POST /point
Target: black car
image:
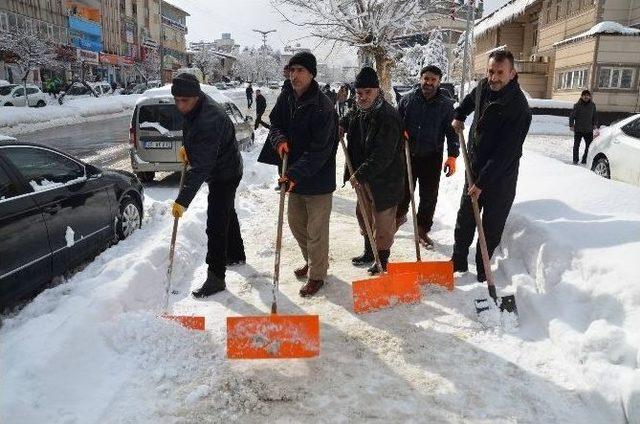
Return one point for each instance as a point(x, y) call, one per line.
point(55, 213)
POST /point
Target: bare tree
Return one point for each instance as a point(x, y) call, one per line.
point(373, 26)
point(149, 68)
point(261, 63)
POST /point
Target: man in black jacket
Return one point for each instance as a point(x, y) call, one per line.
point(500, 124)
point(583, 121)
point(304, 125)
point(211, 149)
point(261, 106)
point(427, 113)
point(374, 135)
point(249, 93)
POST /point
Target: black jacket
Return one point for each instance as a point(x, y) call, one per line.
point(500, 125)
point(261, 104)
point(249, 91)
point(375, 147)
point(210, 140)
point(310, 125)
point(584, 116)
point(428, 122)
point(268, 155)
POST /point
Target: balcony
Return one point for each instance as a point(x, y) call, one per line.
point(526, 67)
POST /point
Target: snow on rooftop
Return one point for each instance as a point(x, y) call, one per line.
point(605, 27)
point(506, 13)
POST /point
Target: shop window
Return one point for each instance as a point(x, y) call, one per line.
point(4, 21)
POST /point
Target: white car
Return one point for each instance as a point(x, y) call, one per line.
point(78, 89)
point(615, 152)
point(13, 95)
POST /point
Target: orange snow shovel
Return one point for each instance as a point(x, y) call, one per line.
point(191, 322)
point(434, 272)
point(385, 290)
point(274, 336)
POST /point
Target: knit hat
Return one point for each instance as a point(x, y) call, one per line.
point(367, 78)
point(306, 60)
point(185, 85)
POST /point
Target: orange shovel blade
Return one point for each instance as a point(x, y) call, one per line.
point(190, 322)
point(273, 336)
point(430, 272)
point(385, 291)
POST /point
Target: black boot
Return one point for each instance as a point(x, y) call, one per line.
point(366, 257)
point(459, 264)
point(384, 260)
point(213, 285)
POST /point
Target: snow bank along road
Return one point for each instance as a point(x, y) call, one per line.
point(92, 350)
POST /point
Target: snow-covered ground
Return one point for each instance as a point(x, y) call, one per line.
point(93, 350)
point(17, 120)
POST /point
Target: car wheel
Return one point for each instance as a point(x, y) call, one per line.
point(146, 177)
point(129, 219)
point(601, 167)
point(41, 103)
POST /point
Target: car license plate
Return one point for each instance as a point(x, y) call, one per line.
point(158, 145)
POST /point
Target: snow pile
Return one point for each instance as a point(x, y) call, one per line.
point(605, 27)
point(69, 237)
point(550, 103)
point(155, 126)
point(48, 185)
point(506, 13)
point(15, 120)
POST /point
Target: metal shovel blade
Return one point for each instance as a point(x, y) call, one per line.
point(428, 272)
point(273, 336)
point(385, 291)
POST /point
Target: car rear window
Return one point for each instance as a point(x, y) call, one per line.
point(166, 115)
point(6, 90)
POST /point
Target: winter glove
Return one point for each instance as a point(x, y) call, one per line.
point(177, 210)
point(182, 155)
point(283, 147)
point(289, 183)
point(450, 166)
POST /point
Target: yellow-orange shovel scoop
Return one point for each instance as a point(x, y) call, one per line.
point(384, 290)
point(433, 272)
point(274, 336)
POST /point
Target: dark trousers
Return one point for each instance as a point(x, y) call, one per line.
point(249, 102)
point(223, 228)
point(577, 137)
point(426, 170)
point(495, 204)
point(259, 121)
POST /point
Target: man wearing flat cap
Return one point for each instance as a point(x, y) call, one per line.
point(374, 136)
point(211, 150)
point(304, 126)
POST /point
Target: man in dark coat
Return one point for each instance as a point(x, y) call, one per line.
point(249, 92)
point(261, 106)
point(583, 121)
point(427, 113)
point(374, 135)
point(304, 126)
point(500, 124)
point(211, 149)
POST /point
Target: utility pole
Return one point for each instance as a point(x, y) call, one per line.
point(264, 35)
point(160, 46)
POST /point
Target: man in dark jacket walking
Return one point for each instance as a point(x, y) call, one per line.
point(304, 126)
point(374, 135)
point(500, 125)
point(211, 149)
point(427, 114)
point(261, 106)
point(249, 92)
point(583, 121)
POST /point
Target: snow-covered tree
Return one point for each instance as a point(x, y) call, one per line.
point(409, 62)
point(457, 63)
point(261, 63)
point(374, 27)
point(149, 67)
point(210, 63)
point(435, 52)
point(28, 51)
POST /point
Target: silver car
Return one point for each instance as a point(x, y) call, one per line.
point(155, 134)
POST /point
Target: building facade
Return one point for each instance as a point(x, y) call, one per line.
point(173, 45)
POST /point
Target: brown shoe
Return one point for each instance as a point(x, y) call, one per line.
point(311, 287)
point(302, 271)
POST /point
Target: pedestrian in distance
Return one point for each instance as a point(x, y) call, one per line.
point(500, 124)
point(261, 106)
point(583, 122)
point(426, 114)
point(375, 146)
point(249, 93)
point(211, 151)
point(304, 126)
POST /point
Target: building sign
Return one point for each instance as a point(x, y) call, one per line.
point(111, 59)
point(173, 24)
point(126, 61)
point(87, 56)
point(150, 43)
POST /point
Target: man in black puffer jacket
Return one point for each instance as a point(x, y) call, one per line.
point(211, 149)
point(374, 134)
point(500, 124)
point(304, 125)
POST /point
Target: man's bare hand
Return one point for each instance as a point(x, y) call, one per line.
point(474, 192)
point(457, 125)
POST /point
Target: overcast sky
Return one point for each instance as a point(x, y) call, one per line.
point(210, 18)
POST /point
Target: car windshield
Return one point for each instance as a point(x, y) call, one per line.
point(6, 90)
point(166, 115)
point(77, 90)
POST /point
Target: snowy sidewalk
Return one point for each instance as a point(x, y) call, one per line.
point(92, 349)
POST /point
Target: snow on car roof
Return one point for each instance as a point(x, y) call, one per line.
point(165, 91)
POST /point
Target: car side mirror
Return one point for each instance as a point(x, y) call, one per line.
point(92, 171)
